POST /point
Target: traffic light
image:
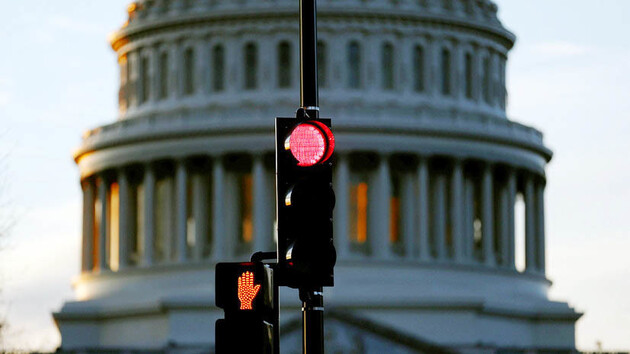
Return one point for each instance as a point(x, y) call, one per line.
point(305, 200)
point(246, 293)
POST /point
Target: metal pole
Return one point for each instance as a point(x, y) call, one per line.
point(309, 93)
point(312, 321)
point(312, 299)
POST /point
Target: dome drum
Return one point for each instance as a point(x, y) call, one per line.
point(381, 62)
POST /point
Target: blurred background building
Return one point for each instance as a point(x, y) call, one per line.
point(429, 174)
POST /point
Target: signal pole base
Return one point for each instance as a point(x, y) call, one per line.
point(312, 320)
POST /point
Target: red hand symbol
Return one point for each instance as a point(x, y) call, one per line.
point(247, 291)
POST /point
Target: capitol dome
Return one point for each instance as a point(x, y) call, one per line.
point(428, 169)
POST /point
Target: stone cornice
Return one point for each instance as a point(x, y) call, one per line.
point(498, 132)
point(331, 15)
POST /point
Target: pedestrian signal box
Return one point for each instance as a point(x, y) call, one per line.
point(246, 293)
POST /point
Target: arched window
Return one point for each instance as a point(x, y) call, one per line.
point(387, 70)
point(218, 68)
point(144, 80)
point(418, 69)
point(446, 72)
point(189, 72)
point(163, 72)
point(354, 65)
point(284, 65)
point(468, 75)
point(487, 82)
point(321, 64)
point(251, 66)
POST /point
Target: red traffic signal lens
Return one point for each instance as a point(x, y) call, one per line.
point(311, 143)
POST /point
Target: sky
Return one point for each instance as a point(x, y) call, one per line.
point(568, 76)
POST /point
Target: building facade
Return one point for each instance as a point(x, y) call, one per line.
point(428, 173)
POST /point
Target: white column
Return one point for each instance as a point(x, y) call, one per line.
point(423, 209)
point(494, 78)
point(202, 67)
point(502, 88)
point(469, 217)
point(540, 223)
point(181, 181)
point(478, 92)
point(88, 225)
point(267, 64)
point(149, 216)
point(336, 63)
point(262, 205)
point(487, 217)
point(408, 214)
point(503, 222)
point(458, 65)
point(434, 52)
point(200, 212)
point(340, 221)
point(123, 220)
point(170, 244)
point(132, 84)
point(405, 75)
point(218, 214)
point(103, 229)
point(457, 204)
point(530, 225)
point(233, 71)
point(511, 193)
point(439, 217)
point(152, 54)
point(155, 73)
point(379, 210)
point(177, 81)
point(370, 68)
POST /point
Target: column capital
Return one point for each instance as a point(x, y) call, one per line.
point(256, 154)
point(104, 175)
point(490, 165)
point(458, 161)
point(88, 181)
point(385, 154)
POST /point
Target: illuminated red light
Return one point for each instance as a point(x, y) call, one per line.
point(247, 291)
point(311, 143)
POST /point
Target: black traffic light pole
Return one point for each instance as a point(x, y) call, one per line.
point(309, 94)
point(312, 299)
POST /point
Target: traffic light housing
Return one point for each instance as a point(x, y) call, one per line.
point(247, 295)
point(305, 201)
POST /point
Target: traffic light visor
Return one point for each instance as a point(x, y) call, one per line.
point(311, 143)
